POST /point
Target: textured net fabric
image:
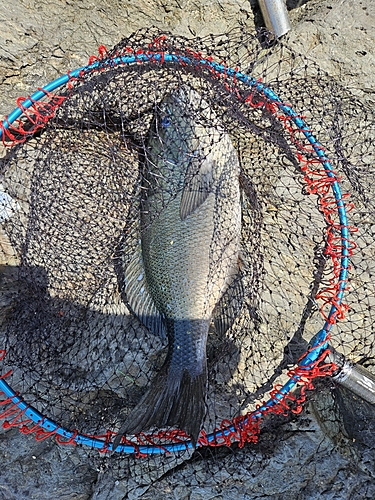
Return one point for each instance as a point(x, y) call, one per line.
point(77, 352)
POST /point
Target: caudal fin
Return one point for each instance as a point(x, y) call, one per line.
point(173, 400)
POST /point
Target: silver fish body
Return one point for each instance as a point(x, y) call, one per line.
point(189, 255)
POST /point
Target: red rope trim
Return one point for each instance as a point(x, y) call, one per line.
point(137, 452)
point(15, 411)
point(65, 441)
point(33, 118)
point(102, 54)
point(176, 436)
point(108, 438)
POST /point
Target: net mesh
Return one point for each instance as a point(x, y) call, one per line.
point(74, 183)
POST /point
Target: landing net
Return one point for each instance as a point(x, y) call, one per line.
point(76, 359)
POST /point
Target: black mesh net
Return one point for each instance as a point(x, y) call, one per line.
point(172, 227)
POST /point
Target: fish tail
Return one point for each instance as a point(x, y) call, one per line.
point(175, 399)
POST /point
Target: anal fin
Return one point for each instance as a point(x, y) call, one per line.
point(229, 306)
point(139, 298)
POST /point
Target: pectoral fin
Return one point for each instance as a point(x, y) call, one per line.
point(197, 186)
point(138, 296)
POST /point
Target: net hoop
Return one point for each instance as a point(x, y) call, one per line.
point(319, 342)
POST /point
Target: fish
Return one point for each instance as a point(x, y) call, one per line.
point(186, 271)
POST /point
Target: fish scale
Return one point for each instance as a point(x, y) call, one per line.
point(172, 249)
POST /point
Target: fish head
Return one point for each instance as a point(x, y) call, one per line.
point(176, 116)
point(173, 138)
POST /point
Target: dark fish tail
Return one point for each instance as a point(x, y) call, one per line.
point(176, 397)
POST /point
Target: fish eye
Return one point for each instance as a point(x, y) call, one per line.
point(166, 121)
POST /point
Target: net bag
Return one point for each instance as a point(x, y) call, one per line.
point(94, 162)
